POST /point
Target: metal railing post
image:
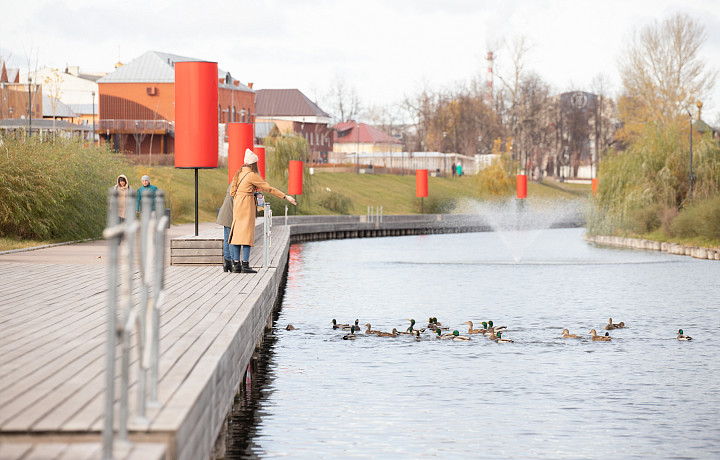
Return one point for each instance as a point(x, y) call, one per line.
point(108, 428)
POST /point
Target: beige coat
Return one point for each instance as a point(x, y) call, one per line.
point(242, 187)
point(123, 193)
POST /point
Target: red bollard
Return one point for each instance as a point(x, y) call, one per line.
point(196, 112)
point(240, 137)
point(594, 186)
point(421, 183)
point(295, 179)
point(521, 186)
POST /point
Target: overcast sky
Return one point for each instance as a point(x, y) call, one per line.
point(385, 50)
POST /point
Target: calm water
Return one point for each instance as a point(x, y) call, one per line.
point(643, 395)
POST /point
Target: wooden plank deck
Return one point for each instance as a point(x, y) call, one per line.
point(52, 355)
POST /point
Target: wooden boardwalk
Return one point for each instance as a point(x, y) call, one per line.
point(52, 355)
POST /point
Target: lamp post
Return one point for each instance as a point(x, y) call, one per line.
point(29, 106)
point(93, 115)
point(691, 177)
point(444, 157)
point(357, 157)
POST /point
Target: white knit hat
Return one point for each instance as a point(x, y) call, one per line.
point(250, 157)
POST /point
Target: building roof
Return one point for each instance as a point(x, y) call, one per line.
point(158, 67)
point(347, 133)
point(61, 110)
point(285, 103)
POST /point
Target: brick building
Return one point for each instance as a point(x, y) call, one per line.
point(137, 104)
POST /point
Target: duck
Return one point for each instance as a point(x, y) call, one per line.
point(682, 336)
point(496, 328)
point(599, 338)
point(370, 331)
point(491, 335)
point(335, 325)
point(568, 335)
point(433, 325)
point(471, 330)
point(351, 335)
point(448, 335)
point(501, 340)
point(394, 333)
point(610, 326)
point(459, 338)
point(289, 327)
point(411, 329)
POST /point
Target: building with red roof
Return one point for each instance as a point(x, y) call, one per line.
point(351, 137)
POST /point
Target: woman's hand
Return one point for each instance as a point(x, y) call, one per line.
point(291, 199)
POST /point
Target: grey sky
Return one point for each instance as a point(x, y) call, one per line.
point(384, 49)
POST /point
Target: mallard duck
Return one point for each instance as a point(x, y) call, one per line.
point(289, 327)
point(496, 328)
point(335, 325)
point(568, 335)
point(459, 338)
point(433, 325)
point(610, 326)
point(682, 336)
point(351, 335)
point(394, 333)
point(471, 330)
point(491, 335)
point(599, 338)
point(370, 331)
point(501, 340)
point(448, 335)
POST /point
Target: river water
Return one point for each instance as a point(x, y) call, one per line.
point(642, 395)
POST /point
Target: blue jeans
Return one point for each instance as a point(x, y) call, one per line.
point(230, 251)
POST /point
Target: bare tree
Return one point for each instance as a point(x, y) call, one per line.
point(662, 70)
point(343, 100)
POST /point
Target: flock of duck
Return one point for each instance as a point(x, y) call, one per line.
point(488, 330)
point(436, 328)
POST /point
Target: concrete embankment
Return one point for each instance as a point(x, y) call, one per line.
point(697, 252)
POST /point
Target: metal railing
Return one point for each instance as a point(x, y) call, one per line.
point(267, 233)
point(140, 126)
point(143, 319)
point(375, 214)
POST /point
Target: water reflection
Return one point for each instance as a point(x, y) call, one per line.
point(643, 395)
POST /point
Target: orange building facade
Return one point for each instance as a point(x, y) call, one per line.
point(137, 104)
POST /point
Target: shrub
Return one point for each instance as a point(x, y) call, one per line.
point(54, 190)
point(702, 219)
point(335, 201)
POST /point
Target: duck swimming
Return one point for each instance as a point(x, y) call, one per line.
point(496, 328)
point(568, 335)
point(610, 326)
point(445, 336)
point(289, 327)
point(599, 338)
point(501, 340)
point(335, 325)
point(370, 331)
point(459, 338)
point(682, 336)
point(471, 330)
point(394, 333)
point(351, 335)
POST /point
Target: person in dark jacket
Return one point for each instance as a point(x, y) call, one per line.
point(225, 217)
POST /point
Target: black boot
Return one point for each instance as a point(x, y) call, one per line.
point(246, 267)
point(227, 265)
point(237, 266)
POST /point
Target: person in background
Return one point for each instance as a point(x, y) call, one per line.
point(146, 186)
point(452, 168)
point(225, 218)
point(124, 191)
point(459, 170)
point(243, 187)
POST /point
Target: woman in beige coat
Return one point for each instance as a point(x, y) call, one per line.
point(124, 190)
point(243, 187)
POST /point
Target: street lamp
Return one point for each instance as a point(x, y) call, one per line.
point(29, 106)
point(357, 157)
point(444, 157)
point(691, 177)
point(93, 115)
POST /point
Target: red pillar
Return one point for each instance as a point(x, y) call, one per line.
point(594, 186)
point(260, 152)
point(295, 179)
point(196, 112)
point(240, 137)
point(521, 186)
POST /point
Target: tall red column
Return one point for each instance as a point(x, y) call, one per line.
point(521, 186)
point(240, 137)
point(196, 112)
point(421, 183)
point(260, 152)
point(295, 179)
point(594, 186)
